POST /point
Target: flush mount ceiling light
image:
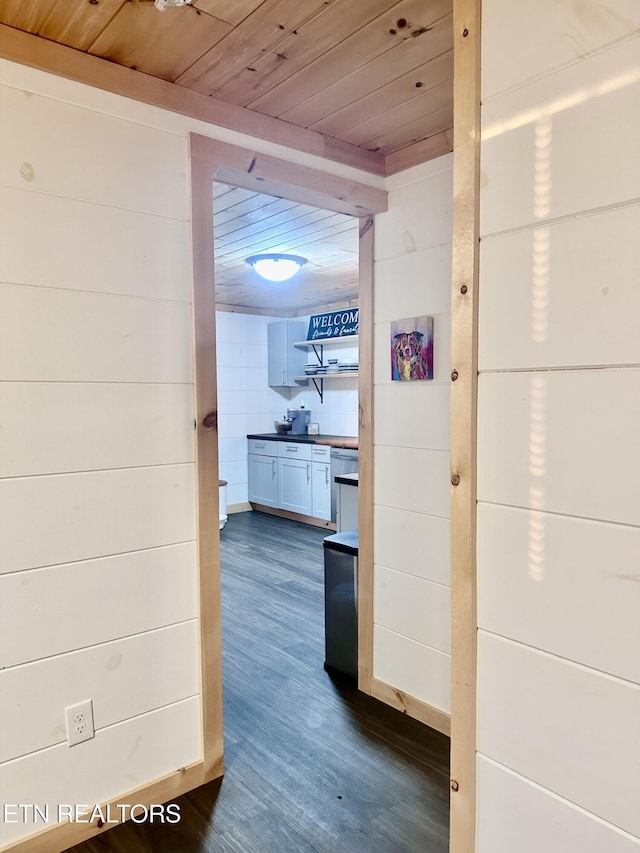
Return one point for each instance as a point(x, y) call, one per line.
point(162, 4)
point(276, 267)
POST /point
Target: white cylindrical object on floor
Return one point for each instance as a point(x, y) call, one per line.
point(223, 502)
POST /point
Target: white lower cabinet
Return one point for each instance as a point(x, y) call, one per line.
point(321, 480)
point(295, 476)
point(263, 479)
point(294, 485)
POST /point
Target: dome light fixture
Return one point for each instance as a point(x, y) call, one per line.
point(162, 4)
point(275, 267)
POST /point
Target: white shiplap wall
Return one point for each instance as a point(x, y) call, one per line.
point(98, 583)
point(559, 404)
point(412, 582)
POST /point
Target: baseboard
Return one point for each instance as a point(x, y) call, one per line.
point(245, 506)
point(412, 707)
point(294, 516)
point(61, 836)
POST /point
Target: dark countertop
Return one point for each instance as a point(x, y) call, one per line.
point(347, 479)
point(345, 441)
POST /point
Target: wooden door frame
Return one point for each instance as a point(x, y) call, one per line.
point(464, 395)
point(213, 160)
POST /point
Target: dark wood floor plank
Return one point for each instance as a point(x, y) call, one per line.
point(312, 765)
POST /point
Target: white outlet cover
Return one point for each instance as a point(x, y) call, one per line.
point(79, 719)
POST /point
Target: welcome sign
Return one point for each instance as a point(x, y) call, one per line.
point(333, 324)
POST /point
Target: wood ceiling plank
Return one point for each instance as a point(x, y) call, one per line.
point(374, 75)
point(415, 131)
point(263, 30)
point(333, 25)
point(225, 197)
point(420, 152)
point(419, 81)
point(79, 23)
point(381, 35)
point(27, 15)
point(253, 222)
point(156, 53)
point(275, 224)
point(231, 11)
point(295, 245)
point(395, 118)
point(230, 220)
point(293, 240)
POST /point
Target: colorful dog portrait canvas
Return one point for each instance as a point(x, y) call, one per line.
point(412, 349)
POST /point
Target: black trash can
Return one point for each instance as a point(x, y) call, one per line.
point(340, 602)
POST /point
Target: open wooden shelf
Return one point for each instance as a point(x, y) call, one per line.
point(344, 375)
point(346, 339)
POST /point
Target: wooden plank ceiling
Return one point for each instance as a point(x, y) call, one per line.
point(375, 74)
point(248, 223)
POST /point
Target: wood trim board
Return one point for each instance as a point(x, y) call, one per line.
point(207, 494)
point(416, 708)
point(274, 176)
point(294, 516)
point(46, 55)
point(365, 455)
point(464, 393)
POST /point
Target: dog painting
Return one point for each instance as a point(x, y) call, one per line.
point(412, 349)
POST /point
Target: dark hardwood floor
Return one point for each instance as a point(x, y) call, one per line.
point(311, 763)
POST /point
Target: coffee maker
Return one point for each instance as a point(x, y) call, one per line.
point(298, 418)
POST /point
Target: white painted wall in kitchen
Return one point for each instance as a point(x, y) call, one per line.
point(558, 457)
point(247, 404)
point(412, 436)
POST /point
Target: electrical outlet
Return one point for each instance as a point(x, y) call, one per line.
point(79, 722)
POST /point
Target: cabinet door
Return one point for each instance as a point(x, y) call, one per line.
point(321, 480)
point(294, 485)
point(263, 480)
point(285, 360)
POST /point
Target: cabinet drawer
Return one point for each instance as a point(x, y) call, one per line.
point(263, 447)
point(291, 450)
point(320, 452)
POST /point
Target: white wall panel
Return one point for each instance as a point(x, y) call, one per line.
point(413, 543)
point(568, 728)
point(80, 516)
point(412, 667)
point(558, 34)
point(415, 480)
point(570, 293)
point(420, 172)
point(413, 414)
point(129, 593)
point(87, 150)
point(572, 571)
point(419, 216)
point(562, 441)
point(111, 675)
point(515, 814)
point(54, 335)
point(413, 284)
point(413, 607)
point(539, 143)
point(60, 242)
point(55, 427)
point(139, 750)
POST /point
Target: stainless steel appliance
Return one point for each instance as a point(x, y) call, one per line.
point(298, 418)
point(342, 462)
point(340, 602)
